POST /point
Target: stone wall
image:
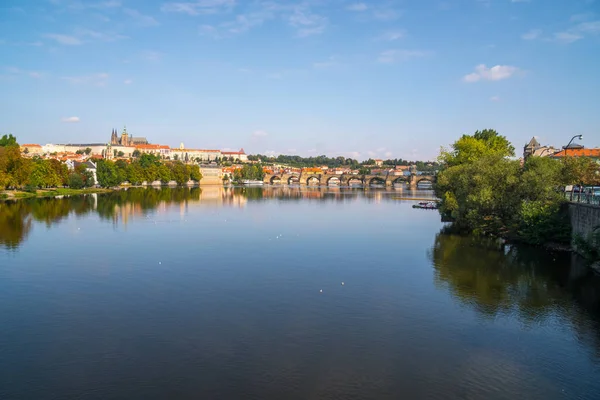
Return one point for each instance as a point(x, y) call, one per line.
point(585, 218)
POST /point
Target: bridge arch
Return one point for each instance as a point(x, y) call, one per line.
point(293, 179)
point(419, 180)
point(328, 179)
point(399, 179)
point(354, 180)
point(312, 178)
point(275, 179)
point(379, 180)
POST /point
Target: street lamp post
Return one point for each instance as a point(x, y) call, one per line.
point(571, 141)
point(566, 149)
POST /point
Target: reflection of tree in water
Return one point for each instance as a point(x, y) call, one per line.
point(531, 284)
point(15, 223)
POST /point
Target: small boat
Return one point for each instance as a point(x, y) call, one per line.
point(252, 182)
point(426, 205)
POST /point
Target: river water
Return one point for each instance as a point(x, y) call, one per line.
point(282, 293)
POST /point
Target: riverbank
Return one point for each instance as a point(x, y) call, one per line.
point(41, 193)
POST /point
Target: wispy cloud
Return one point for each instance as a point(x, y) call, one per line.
point(67, 40)
point(396, 55)
point(241, 24)
point(495, 98)
point(19, 71)
point(357, 7)
point(330, 62)
point(70, 120)
point(199, 7)
point(496, 73)
point(97, 35)
point(532, 34)
point(386, 14)
point(578, 32)
point(390, 36)
point(128, 81)
point(150, 55)
point(141, 19)
point(81, 36)
point(259, 134)
point(567, 37)
point(307, 23)
point(95, 79)
point(520, 1)
point(582, 17)
point(80, 5)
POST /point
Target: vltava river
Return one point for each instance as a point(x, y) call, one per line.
point(237, 294)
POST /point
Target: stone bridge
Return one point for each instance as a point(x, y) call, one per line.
point(347, 179)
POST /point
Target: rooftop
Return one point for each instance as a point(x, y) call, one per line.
point(578, 153)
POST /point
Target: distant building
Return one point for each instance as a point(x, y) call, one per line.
point(32, 149)
point(378, 162)
point(534, 148)
point(126, 139)
point(160, 150)
point(237, 155)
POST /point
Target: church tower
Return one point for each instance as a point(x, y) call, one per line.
point(113, 137)
point(125, 137)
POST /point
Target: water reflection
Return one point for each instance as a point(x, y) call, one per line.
point(520, 282)
point(120, 207)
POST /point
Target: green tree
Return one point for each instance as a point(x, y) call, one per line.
point(136, 153)
point(164, 173)
point(135, 173)
point(88, 151)
point(107, 174)
point(8, 140)
point(75, 180)
point(195, 174)
point(469, 148)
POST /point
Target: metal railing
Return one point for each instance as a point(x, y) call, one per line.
point(583, 197)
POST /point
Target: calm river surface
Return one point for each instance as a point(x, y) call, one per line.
point(216, 294)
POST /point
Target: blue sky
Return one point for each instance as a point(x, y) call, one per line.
point(361, 79)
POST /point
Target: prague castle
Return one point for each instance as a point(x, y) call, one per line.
point(125, 139)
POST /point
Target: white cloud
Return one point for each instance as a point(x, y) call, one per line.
point(581, 17)
point(532, 34)
point(94, 79)
point(392, 56)
point(128, 81)
point(567, 37)
point(520, 1)
point(358, 7)
point(388, 154)
point(330, 62)
point(495, 98)
point(70, 119)
point(393, 35)
point(259, 133)
point(592, 27)
point(19, 71)
point(150, 55)
point(386, 14)
point(101, 36)
point(141, 19)
point(307, 23)
point(578, 32)
point(495, 73)
point(64, 39)
point(199, 7)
